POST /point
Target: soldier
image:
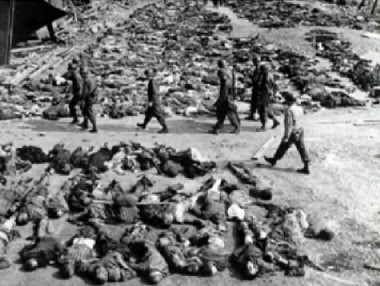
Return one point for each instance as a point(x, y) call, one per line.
point(294, 134)
point(89, 96)
point(154, 105)
point(255, 80)
point(265, 89)
point(77, 84)
point(225, 105)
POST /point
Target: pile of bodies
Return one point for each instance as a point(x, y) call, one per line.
point(178, 38)
point(150, 246)
point(122, 157)
point(284, 14)
point(344, 60)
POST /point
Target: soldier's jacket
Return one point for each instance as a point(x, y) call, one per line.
point(291, 121)
point(90, 90)
point(153, 93)
point(265, 88)
point(226, 85)
point(255, 76)
point(77, 82)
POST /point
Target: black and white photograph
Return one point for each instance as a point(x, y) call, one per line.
point(190, 142)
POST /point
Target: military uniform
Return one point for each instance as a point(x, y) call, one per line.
point(154, 108)
point(265, 91)
point(224, 105)
point(294, 134)
point(77, 85)
point(89, 97)
point(254, 98)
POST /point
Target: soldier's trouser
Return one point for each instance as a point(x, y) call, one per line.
point(89, 115)
point(155, 112)
point(296, 138)
point(253, 105)
point(229, 110)
point(72, 107)
point(265, 112)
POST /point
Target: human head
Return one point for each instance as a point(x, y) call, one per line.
point(67, 270)
point(31, 264)
point(75, 60)
point(149, 73)
point(289, 97)
point(22, 218)
point(101, 275)
point(155, 277)
point(72, 67)
point(168, 219)
point(194, 266)
point(84, 71)
point(221, 64)
point(251, 269)
point(264, 69)
point(256, 60)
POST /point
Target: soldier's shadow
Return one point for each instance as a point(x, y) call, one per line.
point(194, 125)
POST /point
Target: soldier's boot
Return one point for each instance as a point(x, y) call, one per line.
point(271, 161)
point(141, 125)
point(305, 170)
point(276, 123)
point(75, 121)
point(214, 131)
point(236, 130)
point(164, 130)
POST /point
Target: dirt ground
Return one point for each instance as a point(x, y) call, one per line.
point(344, 146)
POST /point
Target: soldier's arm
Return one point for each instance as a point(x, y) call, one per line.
point(155, 90)
point(288, 124)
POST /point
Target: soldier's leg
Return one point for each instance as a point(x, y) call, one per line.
point(72, 107)
point(281, 151)
point(92, 118)
point(300, 144)
point(148, 117)
point(221, 113)
point(234, 120)
point(263, 115)
point(85, 116)
point(161, 119)
point(273, 117)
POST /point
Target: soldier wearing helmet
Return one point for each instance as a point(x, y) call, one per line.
point(225, 105)
point(89, 94)
point(77, 84)
point(266, 90)
point(255, 80)
point(154, 105)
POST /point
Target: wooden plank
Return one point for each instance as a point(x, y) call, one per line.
point(259, 153)
point(29, 49)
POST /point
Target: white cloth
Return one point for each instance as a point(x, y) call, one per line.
point(90, 243)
